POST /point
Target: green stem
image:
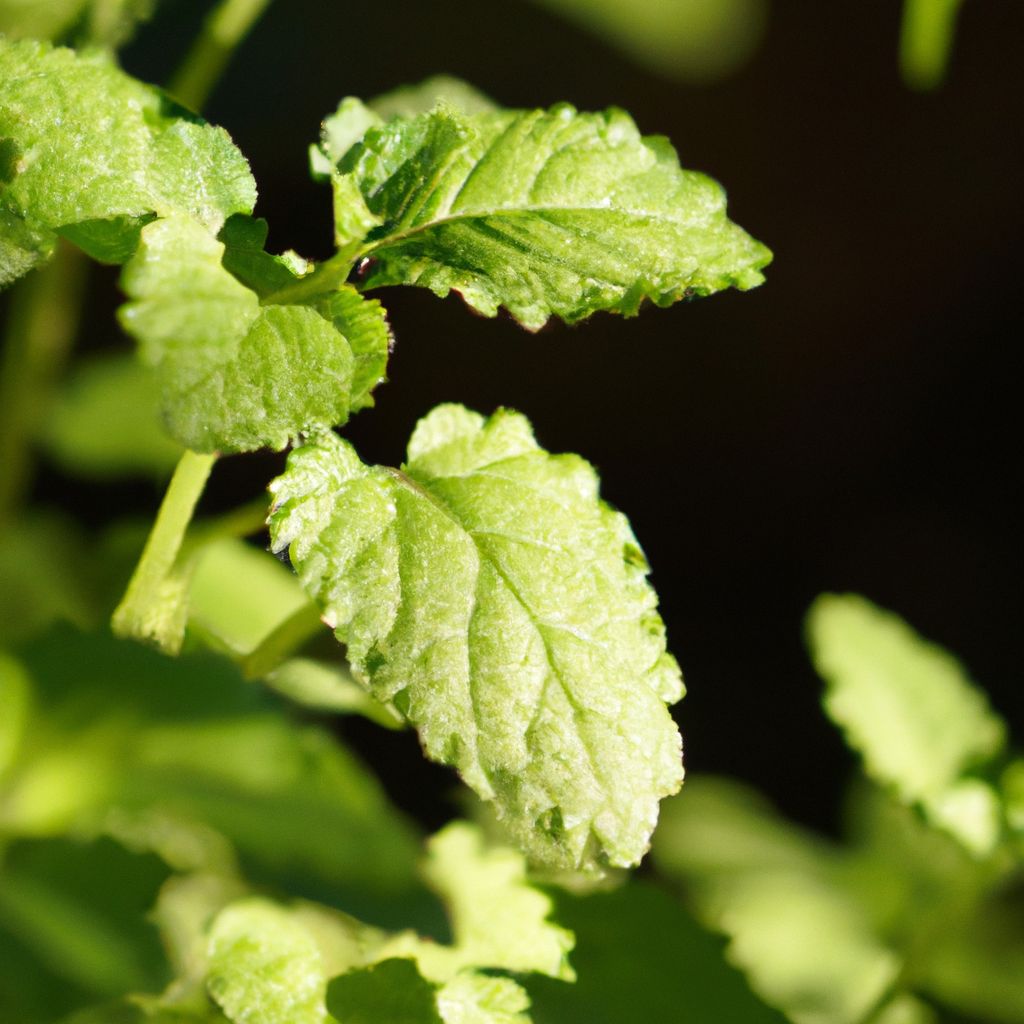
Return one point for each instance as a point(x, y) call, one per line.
point(155, 604)
point(926, 39)
point(283, 642)
point(42, 324)
point(225, 27)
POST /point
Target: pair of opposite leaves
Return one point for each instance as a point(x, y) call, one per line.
point(484, 589)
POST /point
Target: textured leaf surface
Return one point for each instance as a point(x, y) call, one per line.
point(237, 374)
point(543, 212)
point(89, 151)
point(265, 968)
point(504, 609)
point(498, 919)
point(905, 704)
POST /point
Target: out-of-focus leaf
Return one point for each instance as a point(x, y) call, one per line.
point(96, 22)
point(804, 941)
point(106, 422)
point(46, 576)
point(640, 957)
point(80, 909)
point(909, 709)
point(330, 688)
point(130, 731)
point(687, 39)
point(240, 595)
point(15, 702)
point(390, 990)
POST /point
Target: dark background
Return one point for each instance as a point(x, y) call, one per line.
point(852, 425)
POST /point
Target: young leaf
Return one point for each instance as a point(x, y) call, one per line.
point(498, 919)
point(94, 154)
point(544, 212)
point(236, 373)
point(265, 968)
point(488, 592)
point(908, 707)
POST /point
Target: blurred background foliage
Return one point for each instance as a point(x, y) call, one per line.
point(854, 424)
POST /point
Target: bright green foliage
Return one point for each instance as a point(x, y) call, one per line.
point(236, 374)
point(544, 212)
point(910, 710)
point(265, 968)
point(504, 609)
point(91, 153)
point(498, 919)
point(106, 422)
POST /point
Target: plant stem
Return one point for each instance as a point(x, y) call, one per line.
point(154, 606)
point(926, 39)
point(42, 324)
point(225, 27)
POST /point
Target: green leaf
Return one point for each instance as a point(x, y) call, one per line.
point(92, 153)
point(504, 609)
point(805, 941)
point(703, 40)
point(543, 212)
point(265, 967)
point(498, 919)
point(240, 595)
point(80, 909)
point(391, 990)
point(641, 957)
point(412, 100)
point(236, 373)
point(97, 22)
point(106, 422)
point(474, 998)
point(15, 704)
point(909, 709)
point(193, 740)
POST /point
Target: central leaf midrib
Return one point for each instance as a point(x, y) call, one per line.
point(541, 628)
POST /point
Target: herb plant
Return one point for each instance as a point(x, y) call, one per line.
point(180, 842)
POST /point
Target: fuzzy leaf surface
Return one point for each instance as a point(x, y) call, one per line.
point(489, 594)
point(545, 212)
point(237, 373)
point(498, 919)
point(90, 152)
